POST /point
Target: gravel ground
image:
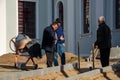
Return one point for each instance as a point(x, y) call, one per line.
point(7, 66)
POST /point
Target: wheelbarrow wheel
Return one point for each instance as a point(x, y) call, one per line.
point(23, 66)
point(35, 66)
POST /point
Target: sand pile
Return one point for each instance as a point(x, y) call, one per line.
point(9, 59)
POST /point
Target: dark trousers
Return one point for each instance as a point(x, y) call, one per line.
point(104, 56)
point(63, 61)
point(49, 56)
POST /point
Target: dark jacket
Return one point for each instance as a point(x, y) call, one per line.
point(59, 34)
point(103, 37)
point(48, 39)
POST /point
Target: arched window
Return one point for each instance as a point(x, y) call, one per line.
point(60, 11)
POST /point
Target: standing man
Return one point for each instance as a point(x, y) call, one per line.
point(60, 44)
point(103, 41)
point(48, 42)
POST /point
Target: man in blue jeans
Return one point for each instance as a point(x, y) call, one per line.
point(60, 45)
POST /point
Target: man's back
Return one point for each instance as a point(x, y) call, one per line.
point(103, 36)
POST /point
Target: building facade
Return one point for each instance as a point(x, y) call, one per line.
point(80, 20)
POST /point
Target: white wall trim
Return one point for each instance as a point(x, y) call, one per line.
point(3, 27)
point(17, 17)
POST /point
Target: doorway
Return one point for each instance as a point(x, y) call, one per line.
point(61, 12)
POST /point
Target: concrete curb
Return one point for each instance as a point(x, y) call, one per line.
point(115, 67)
point(24, 74)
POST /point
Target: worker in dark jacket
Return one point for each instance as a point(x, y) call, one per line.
point(103, 41)
point(48, 42)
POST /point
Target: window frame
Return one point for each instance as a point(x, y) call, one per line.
point(37, 18)
point(84, 17)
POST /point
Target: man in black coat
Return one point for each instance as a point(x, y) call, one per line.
point(103, 41)
point(48, 42)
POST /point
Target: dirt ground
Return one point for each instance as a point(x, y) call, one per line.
point(7, 63)
point(110, 75)
point(8, 59)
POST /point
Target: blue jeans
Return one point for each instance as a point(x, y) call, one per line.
point(61, 52)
